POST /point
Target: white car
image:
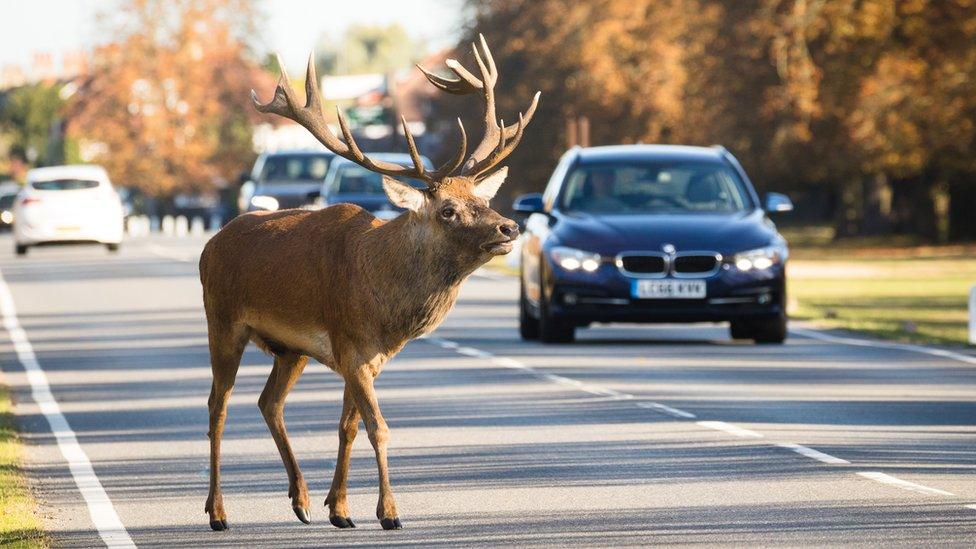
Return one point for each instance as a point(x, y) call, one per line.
point(67, 204)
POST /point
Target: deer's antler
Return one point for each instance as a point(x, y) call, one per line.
point(286, 104)
point(499, 140)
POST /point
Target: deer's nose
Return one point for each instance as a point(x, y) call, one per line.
point(509, 229)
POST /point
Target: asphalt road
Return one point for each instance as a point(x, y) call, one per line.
point(632, 436)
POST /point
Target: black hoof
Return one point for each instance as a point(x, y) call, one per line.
point(218, 525)
point(391, 524)
point(302, 514)
point(342, 522)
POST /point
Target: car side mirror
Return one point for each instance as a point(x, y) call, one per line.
point(313, 195)
point(529, 204)
point(778, 203)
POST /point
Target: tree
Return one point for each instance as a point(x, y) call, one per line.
point(367, 49)
point(167, 107)
point(31, 116)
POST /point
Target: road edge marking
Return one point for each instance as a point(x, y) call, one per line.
point(100, 508)
point(858, 342)
point(885, 478)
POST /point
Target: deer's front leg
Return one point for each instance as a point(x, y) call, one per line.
point(360, 384)
point(348, 427)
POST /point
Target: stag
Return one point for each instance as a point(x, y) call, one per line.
point(347, 289)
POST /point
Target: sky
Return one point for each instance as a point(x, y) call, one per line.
point(293, 28)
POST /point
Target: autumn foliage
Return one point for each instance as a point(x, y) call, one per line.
point(864, 109)
point(167, 108)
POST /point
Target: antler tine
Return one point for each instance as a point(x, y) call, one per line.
point(456, 87)
point(453, 164)
point(412, 148)
point(310, 116)
point(511, 130)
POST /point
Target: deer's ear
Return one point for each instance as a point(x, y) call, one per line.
point(487, 187)
point(403, 195)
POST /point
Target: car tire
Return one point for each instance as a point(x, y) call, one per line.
point(768, 330)
point(551, 328)
point(112, 247)
point(772, 330)
point(21, 249)
point(528, 326)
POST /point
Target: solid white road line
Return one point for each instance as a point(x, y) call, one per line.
point(903, 484)
point(100, 507)
point(666, 409)
point(811, 453)
point(941, 353)
point(729, 428)
point(971, 506)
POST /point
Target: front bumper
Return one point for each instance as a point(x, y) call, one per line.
point(605, 296)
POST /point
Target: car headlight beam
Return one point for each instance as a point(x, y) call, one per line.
point(759, 259)
point(572, 259)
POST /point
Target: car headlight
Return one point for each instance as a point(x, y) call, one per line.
point(760, 258)
point(572, 259)
point(269, 203)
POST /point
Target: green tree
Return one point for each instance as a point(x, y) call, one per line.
point(31, 117)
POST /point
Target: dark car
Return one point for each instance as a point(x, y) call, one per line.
point(288, 179)
point(651, 233)
point(348, 182)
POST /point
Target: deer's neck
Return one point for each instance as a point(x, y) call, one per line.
point(415, 274)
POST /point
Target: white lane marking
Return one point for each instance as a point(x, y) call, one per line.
point(971, 506)
point(507, 362)
point(667, 410)
point(729, 428)
point(166, 253)
point(103, 514)
point(941, 353)
point(811, 453)
point(904, 484)
point(490, 275)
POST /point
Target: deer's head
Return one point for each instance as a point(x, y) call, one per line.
point(454, 204)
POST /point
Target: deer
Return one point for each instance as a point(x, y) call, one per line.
point(347, 289)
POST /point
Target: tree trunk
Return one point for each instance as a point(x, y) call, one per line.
point(913, 205)
point(876, 206)
point(962, 203)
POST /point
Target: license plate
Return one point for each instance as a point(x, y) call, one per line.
point(68, 229)
point(668, 289)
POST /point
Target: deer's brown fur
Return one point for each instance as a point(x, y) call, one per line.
point(349, 290)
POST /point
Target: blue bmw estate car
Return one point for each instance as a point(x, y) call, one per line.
point(651, 233)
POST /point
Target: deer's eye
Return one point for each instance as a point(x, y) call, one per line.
point(448, 213)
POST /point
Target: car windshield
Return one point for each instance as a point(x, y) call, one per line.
point(7, 200)
point(291, 168)
point(64, 184)
point(655, 187)
point(354, 179)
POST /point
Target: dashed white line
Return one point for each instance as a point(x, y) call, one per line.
point(100, 508)
point(166, 253)
point(811, 453)
point(666, 409)
point(729, 428)
point(904, 484)
point(721, 425)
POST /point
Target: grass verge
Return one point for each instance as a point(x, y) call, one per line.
point(19, 525)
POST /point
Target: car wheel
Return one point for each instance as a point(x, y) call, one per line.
point(112, 247)
point(767, 330)
point(21, 249)
point(771, 330)
point(528, 326)
point(551, 328)
point(740, 329)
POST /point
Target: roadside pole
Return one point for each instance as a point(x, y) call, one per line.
point(972, 315)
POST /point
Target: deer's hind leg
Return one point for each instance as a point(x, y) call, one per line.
point(288, 367)
point(348, 427)
point(227, 344)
